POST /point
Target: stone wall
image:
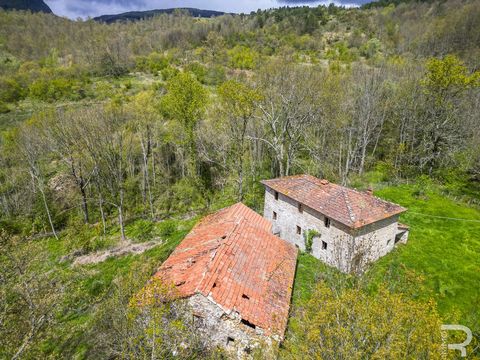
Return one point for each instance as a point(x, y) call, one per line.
point(333, 245)
point(374, 241)
point(336, 245)
point(226, 330)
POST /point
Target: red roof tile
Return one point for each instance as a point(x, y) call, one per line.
point(350, 207)
point(232, 257)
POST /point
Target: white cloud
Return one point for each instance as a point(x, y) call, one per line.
point(85, 8)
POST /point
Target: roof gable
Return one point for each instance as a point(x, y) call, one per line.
point(350, 207)
point(232, 257)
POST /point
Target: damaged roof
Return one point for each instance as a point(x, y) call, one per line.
point(350, 207)
point(232, 257)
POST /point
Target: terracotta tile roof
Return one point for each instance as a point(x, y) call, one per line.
point(350, 207)
point(232, 257)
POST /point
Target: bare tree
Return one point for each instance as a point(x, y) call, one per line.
point(109, 144)
point(62, 138)
point(238, 106)
point(288, 110)
point(368, 116)
point(31, 148)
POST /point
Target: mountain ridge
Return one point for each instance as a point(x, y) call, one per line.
point(139, 15)
point(29, 5)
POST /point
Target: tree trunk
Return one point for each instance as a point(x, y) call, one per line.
point(120, 217)
point(146, 176)
point(80, 181)
point(40, 188)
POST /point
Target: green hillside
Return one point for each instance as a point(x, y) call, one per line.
point(116, 138)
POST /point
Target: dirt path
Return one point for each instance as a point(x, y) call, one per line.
point(120, 250)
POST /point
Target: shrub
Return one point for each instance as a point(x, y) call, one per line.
point(198, 70)
point(4, 108)
point(55, 89)
point(167, 228)
point(140, 230)
point(354, 324)
point(309, 235)
point(169, 72)
point(10, 90)
point(242, 57)
point(153, 63)
point(215, 75)
point(371, 48)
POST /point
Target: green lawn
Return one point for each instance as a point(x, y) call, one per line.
point(445, 251)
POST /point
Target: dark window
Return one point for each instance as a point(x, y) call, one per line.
point(197, 319)
point(327, 222)
point(248, 323)
point(299, 230)
point(276, 195)
point(300, 208)
point(324, 245)
point(274, 215)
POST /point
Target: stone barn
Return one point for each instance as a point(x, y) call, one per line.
point(237, 276)
point(342, 227)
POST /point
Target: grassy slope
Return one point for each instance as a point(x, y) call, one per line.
point(90, 284)
point(446, 253)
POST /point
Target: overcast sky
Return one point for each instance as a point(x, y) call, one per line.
point(84, 8)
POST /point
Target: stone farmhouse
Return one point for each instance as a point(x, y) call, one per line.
point(236, 268)
point(344, 228)
point(236, 276)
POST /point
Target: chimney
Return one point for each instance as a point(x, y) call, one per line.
point(370, 191)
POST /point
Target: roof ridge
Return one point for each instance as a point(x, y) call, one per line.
point(363, 193)
point(351, 214)
point(209, 267)
point(351, 207)
point(241, 257)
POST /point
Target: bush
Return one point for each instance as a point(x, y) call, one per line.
point(198, 70)
point(242, 57)
point(10, 90)
point(169, 72)
point(340, 51)
point(215, 75)
point(371, 48)
point(353, 324)
point(153, 63)
point(55, 89)
point(309, 235)
point(167, 228)
point(4, 108)
point(140, 230)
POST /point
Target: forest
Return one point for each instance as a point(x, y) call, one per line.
point(128, 133)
